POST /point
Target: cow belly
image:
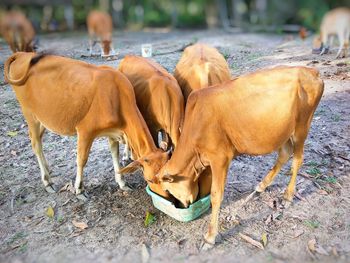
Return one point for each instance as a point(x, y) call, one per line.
point(57, 113)
point(262, 130)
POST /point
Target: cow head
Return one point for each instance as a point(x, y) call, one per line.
point(151, 165)
point(106, 42)
point(106, 47)
point(182, 184)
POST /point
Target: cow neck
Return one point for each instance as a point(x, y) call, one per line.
point(139, 137)
point(183, 156)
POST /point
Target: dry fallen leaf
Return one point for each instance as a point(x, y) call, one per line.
point(322, 192)
point(264, 239)
point(335, 252)
point(12, 133)
point(50, 212)
point(81, 225)
point(251, 241)
point(150, 219)
point(312, 245)
point(67, 187)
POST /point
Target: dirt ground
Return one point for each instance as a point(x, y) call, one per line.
point(315, 228)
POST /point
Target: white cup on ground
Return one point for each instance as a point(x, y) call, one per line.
point(146, 50)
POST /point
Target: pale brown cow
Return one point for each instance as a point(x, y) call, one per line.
point(200, 66)
point(336, 22)
point(18, 31)
point(259, 113)
point(100, 26)
point(158, 97)
point(71, 97)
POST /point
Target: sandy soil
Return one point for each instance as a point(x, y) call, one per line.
point(115, 219)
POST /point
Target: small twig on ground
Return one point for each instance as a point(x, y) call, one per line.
point(344, 158)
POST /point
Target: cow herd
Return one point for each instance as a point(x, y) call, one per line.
point(205, 117)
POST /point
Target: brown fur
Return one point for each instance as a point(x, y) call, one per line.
point(158, 96)
point(200, 66)
point(71, 97)
point(18, 31)
point(259, 113)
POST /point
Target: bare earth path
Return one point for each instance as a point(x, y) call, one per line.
point(115, 219)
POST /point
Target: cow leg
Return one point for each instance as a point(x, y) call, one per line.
point(341, 42)
point(112, 49)
point(284, 154)
point(219, 174)
point(165, 143)
point(114, 147)
point(346, 43)
point(126, 152)
point(36, 132)
point(83, 149)
point(324, 42)
point(91, 42)
point(297, 162)
point(346, 48)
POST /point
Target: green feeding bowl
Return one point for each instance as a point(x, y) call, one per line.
point(194, 211)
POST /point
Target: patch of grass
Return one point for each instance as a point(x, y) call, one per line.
point(23, 248)
point(15, 237)
point(312, 163)
point(320, 112)
point(233, 66)
point(312, 223)
point(226, 55)
point(336, 118)
point(253, 56)
point(330, 179)
point(313, 171)
point(60, 219)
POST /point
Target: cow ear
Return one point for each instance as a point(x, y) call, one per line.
point(131, 168)
point(167, 178)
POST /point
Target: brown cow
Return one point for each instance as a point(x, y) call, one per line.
point(259, 113)
point(158, 97)
point(18, 31)
point(71, 97)
point(200, 66)
point(100, 26)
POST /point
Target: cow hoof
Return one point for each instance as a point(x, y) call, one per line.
point(206, 246)
point(125, 162)
point(286, 204)
point(259, 188)
point(50, 189)
point(83, 197)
